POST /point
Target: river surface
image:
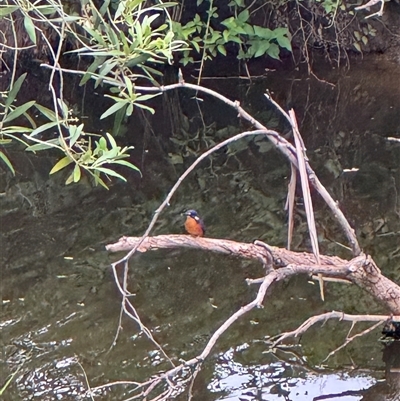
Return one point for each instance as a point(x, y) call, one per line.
point(61, 307)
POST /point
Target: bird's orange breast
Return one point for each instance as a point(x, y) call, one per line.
point(194, 227)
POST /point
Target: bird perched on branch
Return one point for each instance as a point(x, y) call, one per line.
point(194, 225)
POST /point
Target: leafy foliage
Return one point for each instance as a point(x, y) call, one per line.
point(125, 40)
point(253, 40)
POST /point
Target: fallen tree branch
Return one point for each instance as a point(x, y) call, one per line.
point(361, 270)
point(379, 319)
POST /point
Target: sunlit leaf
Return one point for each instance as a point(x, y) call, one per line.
point(64, 162)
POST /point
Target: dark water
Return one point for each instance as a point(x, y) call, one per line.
point(60, 304)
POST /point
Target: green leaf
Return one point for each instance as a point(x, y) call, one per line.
point(46, 112)
point(106, 157)
point(129, 86)
point(7, 162)
point(77, 173)
point(46, 10)
point(30, 28)
point(75, 133)
point(111, 140)
point(5, 141)
point(221, 49)
point(70, 179)
point(98, 61)
point(42, 128)
point(262, 48)
point(357, 46)
point(110, 172)
point(142, 106)
point(15, 89)
point(114, 108)
point(143, 98)
point(284, 42)
point(129, 110)
point(103, 144)
point(118, 120)
point(243, 16)
point(249, 29)
point(64, 162)
point(63, 106)
point(19, 110)
point(52, 143)
point(5, 10)
point(127, 164)
point(263, 33)
point(98, 180)
point(273, 51)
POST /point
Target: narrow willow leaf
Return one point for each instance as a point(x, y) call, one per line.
point(142, 98)
point(106, 157)
point(114, 108)
point(110, 172)
point(5, 10)
point(7, 162)
point(30, 28)
point(98, 61)
point(43, 127)
point(42, 146)
point(15, 89)
point(129, 86)
point(70, 179)
point(77, 173)
point(64, 162)
point(5, 141)
point(127, 164)
point(118, 120)
point(19, 111)
point(290, 204)
point(129, 110)
point(63, 107)
point(111, 140)
point(98, 180)
point(46, 112)
point(75, 134)
point(142, 106)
